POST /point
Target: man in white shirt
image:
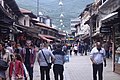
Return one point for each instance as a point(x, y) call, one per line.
point(97, 57)
point(44, 56)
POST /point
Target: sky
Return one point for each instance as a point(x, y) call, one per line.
point(71, 9)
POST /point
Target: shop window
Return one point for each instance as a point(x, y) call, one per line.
point(45, 32)
point(41, 19)
point(24, 22)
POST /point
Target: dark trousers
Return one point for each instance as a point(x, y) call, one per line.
point(30, 71)
point(58, 71)
point(107, 53)
point(75, 51)
point(85, 51)
point(98, 68)
point(44, 70)
point(70, 52)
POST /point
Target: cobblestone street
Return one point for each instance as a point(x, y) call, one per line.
point(79, 68)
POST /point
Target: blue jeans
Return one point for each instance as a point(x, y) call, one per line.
point(107, 53)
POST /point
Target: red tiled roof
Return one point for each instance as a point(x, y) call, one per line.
point(48, 36)
point(25, 10)
point(44, 38)
point(44, 25)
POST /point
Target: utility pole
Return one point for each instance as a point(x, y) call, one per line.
point(37, 7)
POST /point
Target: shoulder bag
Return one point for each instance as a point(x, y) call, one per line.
point(49, 64)
point(3, 65)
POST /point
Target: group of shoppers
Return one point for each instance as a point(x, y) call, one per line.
point(82, 48)
point(20, 61)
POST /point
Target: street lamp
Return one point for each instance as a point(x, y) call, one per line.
point(60, 3)
point(61, 24)
point(59, 28)
point(61, 15)
point(61, 20)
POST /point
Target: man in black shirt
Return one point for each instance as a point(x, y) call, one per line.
point(29, 55)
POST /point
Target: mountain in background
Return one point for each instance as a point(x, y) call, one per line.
point(71, 9)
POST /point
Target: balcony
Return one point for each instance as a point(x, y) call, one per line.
point(109, 6)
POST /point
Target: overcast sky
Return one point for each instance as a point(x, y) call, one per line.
point(71, 9)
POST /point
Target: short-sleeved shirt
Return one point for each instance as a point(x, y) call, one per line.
point(48, 54)
point(97, 56)
point(59, 57)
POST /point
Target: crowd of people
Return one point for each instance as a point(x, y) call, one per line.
point(20, 60)
point(83, 48)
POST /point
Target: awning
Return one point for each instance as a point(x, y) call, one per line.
point(48, 36)
point(85, 36)
point(44, 38)
point(32, 35)
point(110, 17)
point(27, 29)
point(95, 35)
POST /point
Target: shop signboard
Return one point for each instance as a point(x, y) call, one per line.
point(4, 31)
point(105, 30)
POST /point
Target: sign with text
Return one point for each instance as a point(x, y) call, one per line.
point(105, 30)
point(4, 31)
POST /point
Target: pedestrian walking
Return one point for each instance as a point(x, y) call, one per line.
point(58, 67)
point(81, 49)
point(71, 49)
point(65, 48)
point(4, 60)
point(16, 70)
point(44, 57)
point(29, 55)
point(97, 57)
point(85, 48)
point(75, 49)
point(106, 47)
point(18, 49)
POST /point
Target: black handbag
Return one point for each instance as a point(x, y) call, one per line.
point(49, 64)
point(3, 65)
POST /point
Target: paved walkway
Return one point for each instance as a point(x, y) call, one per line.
point(79, 68)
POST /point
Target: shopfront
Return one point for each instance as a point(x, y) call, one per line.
point(111, 25)
point(117, 48)
point(4, 34)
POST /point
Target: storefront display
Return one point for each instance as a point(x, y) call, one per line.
point(117, 49)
